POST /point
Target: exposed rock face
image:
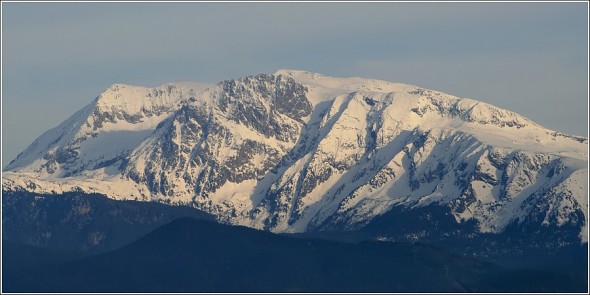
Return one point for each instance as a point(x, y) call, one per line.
point(241, 131)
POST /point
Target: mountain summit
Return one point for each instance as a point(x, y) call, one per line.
point(296, 151)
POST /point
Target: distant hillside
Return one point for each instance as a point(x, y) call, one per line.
point(83, 222)
point(190, 255)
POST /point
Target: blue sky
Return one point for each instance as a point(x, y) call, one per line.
point(530, 58)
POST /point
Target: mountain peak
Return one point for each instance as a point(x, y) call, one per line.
point(126, 94)
point(121, 94)
point(297, 74)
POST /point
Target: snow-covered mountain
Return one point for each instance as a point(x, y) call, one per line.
point(297, 151)
point(104, 131)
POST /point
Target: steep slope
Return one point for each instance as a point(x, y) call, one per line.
point(413, 147)
point(298, 151)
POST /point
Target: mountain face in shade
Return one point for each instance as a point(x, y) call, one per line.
point(300, 152)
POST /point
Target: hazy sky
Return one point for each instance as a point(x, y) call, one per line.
point(530, 58)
